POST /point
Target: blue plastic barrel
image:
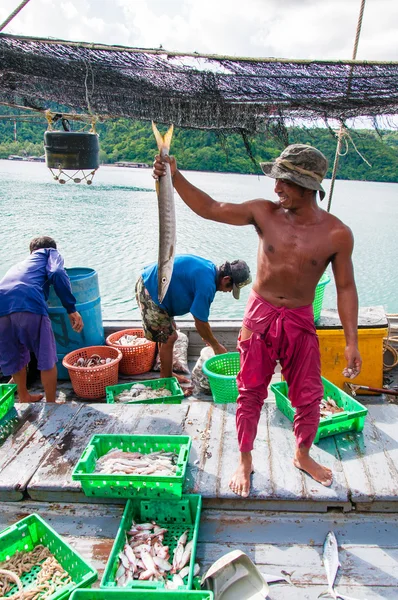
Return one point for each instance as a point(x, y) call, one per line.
point(85, 288)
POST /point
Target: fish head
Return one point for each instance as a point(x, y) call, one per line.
point(163, 287)
point(330, 539)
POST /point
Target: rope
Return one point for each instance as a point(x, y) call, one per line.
point(388, 347)
point(335, 164)
point(359, 26)
point(342, 128)
point(13, 14)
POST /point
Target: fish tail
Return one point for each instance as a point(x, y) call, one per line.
point(163, 141)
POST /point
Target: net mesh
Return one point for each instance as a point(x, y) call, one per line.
point(205, 92)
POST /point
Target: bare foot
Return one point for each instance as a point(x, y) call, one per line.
point(30, 398)
point(240, 481)
point(304, 462)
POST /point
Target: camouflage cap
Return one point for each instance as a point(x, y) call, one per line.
point(301, 164)
point(240, 275)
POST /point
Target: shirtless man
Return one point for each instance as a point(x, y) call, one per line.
point(297, 241)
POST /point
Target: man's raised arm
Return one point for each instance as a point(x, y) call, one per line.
point(201, 203)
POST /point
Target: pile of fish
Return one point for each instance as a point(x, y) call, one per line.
point(139, 391)
point(134, 463)
point(92, 361)
point(49, 578)
point(146, 558)
point(329, 407)
point(130, 340)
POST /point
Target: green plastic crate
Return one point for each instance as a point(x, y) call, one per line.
point(319, 293)
point(353, 419)
point(122, 594)
point(221, 371)
point(177, 516)
point(32, 531)
point(8, 424)
point(170, 383)
point(126, 486)
point(7, 398)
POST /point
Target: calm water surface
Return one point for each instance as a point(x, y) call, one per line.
point(112, 227)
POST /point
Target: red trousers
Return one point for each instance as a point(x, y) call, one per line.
point(287, 335)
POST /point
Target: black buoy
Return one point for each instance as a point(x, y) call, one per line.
point(69, 150)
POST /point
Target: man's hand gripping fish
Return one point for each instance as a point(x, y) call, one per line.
point(167, 219)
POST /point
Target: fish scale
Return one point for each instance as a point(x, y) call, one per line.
point(167, 219)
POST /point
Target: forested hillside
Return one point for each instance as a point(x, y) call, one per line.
point(125, 140)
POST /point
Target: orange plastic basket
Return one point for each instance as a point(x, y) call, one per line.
point(90, 382)
point(136, 359)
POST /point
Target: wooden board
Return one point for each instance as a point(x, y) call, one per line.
point(52, 480)
point(22, 453)
point(38, 459)
point(280, 544)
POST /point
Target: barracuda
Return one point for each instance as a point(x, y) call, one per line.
point(167, 220)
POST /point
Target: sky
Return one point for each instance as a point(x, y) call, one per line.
point(313, 29)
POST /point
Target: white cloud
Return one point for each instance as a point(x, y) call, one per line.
point(282, 28)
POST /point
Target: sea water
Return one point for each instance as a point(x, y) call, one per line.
point(112, 226)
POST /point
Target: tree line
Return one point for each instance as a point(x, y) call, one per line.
point(133, 141)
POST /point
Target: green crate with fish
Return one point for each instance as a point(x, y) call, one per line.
point(39, 563)
point(340, 412)
point(123, 466)
point(155, 546)
point(143, 594)
point(165, 390)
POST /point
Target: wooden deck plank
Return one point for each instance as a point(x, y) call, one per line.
point(262, 482)
point(198, 425)
point(375, 458)
point(365, 465)
point(22, 453)
point(287, 482)
point(326, 453)
point(276, 542)
point(304, 564)
point(229, 455)
point(52, 480)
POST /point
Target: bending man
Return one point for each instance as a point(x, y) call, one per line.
point(297, 241)
point(192, 288)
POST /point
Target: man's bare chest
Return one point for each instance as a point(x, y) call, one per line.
point(305, 246)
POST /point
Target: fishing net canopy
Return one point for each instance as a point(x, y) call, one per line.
point(190, 90)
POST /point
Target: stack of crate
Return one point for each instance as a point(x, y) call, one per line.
point(151, 498)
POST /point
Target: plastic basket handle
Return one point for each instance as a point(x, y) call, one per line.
point(183, 455)
point(337, 417)
point(23, 529)
point(85, 456)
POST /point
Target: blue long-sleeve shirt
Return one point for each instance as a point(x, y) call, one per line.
point(25, 287)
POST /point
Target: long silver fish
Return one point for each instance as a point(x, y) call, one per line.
point(167, 218)
point(331, 561)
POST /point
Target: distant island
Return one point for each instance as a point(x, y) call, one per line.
point(131, 143)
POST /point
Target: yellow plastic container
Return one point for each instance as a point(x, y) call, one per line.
point(370, 343)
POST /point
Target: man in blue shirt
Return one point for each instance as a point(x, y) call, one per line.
point(25, 326)
point(192, 288)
